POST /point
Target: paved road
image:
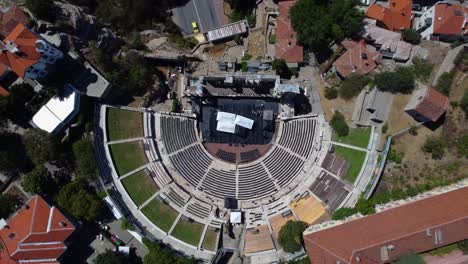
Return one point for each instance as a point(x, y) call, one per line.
point(208, 14)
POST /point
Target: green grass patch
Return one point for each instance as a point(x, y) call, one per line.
point(188, 231)
point(358, 137)
point(209, 243)
point(444, 250)
point(140, 186)
point(127, 156)
point(160, 214)
point(123, 124)
point(355, 158)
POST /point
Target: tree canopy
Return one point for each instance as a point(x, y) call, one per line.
point(6, 206)
point(338, 123)
point(435, 146)
point(401, 80)
point(42, 9)
point(114, 257)
point(290, 236)
point(352, 86)
point(411, 36)
point(85, 162)
point(12, 152)
point(41, 146)
point(79, 201)
point(158, 254)
point(39, 181)
point(319, 22)
point(281, 68)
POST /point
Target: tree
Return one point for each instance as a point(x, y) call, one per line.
point(445, 82)
point(422, 68)
point(281, 68)
point(7, 205)
point(290, 236)
point(114, 257)
point(411, 36)
point(401, 80)
point(79, 201)
point(41, 146)
point(158, 254)
point(338, 123)
point(42, 9)
point(12, 152)
point(435, 146)
point(343, 212)
point(352, 86)
point(85, 162)
point(464, 103)
point(39, 181)
point(319, 22)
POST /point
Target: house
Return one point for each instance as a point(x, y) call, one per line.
point(414, 225)
point(450, 22)
point(427, 105)
point(28, 55)
point(357, 59)
point(9, 18)
point(388, 42)
point(57, 112)
point(396, 16)
point(37, 233)
point(286, 45)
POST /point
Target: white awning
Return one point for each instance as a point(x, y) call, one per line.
point(236, 217)
point(228, 127)
point(57, 111)
point(244, 122)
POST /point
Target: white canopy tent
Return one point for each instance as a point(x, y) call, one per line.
point(235, 217)
point(244, 122)
point(228, 127)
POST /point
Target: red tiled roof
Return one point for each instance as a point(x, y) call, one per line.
point(10, 18)
point(449, 19)
point(433, 105)
point(37, 223)
point(416, 226)
point(395, 17)
point(286, 46)
point(27, 56)
point(357, 59)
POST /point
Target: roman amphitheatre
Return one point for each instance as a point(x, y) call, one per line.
point(226, 175)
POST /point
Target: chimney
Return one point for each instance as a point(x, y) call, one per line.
point(12, 47)
point(62, 224)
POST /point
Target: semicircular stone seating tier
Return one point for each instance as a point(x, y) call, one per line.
point(248, 181)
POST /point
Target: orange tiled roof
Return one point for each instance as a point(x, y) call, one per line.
point(449, 19)
point(27, 56)
point(395, 17)
point(10, 18)
point(433, 105)
point(31, 227)
point(357, 59)
point(286, 46)
point(415, 226)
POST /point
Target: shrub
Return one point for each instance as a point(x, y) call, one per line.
point(464, 103)
point(272, 38)
point(338, 123)
point(126, 225)
point(385, 128)
point(445, 82)
point(331, 93)
point(175, 105)
point(394, 156)
point(411, 36)
point(435, 146)
point(463, 246)
point(462, 145)
point(422, 68)
point(413, 131)
point(352, 86)
point(182, 42)
point(401, 80)
point(290, 236)
point(343, 212)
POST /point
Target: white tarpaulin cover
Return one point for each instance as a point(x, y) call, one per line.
point(244, 122)
point(236, 218)
point(228, 127)
point(225, 117)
